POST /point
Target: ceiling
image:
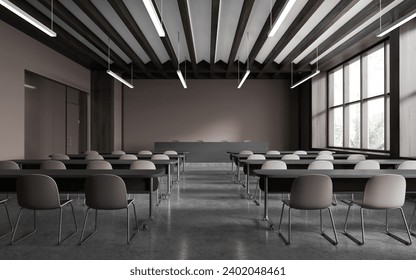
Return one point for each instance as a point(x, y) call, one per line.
point(209, 38)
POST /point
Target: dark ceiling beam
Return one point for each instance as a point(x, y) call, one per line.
point(369, 11)
point(308, 10)
point(261, 39)
point(330, 19)
point(215, 11)
point(241, 27)
point(89, 9)
point(64, 14)
point(167, 43)
point(124, 14)
point(64, 43)
point(186, 22)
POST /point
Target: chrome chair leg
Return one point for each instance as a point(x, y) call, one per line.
point(17, 224)
point(395, 236)
point(81, 240)
point(10, 221)
point(335, 202)
point(333, 242)
point(60, 226)
point(411, 222)
point(289, 226)
point(362, 227)
point(128, 223)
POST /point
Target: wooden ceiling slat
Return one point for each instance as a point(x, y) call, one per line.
point(89, 9)
point(241, 27)
point(186, 22)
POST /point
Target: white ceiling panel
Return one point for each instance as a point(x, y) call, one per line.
point(105, 9)
point(313, 21)
point(271, 42)
point(230, 11)
point(342, 21)
point(76, 11)
point(171, 18)
point(259, 15)
point(142, 18)
point(200, 14)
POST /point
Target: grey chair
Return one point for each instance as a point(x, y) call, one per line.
point(94, 157)
point(99, 165)
point(309, 192)
point(324, 152)
point(8, 164)
point(272, 152)
point(382, 192)
point(291, 157)
point(145, 165)
point(59, 157)
point(145, 152)
point(91, 152)
point(3, 201)
point(356, 157)
point(107, 192)
point(39, 192)
point(268, 165)
point(118, 152)
point(323, 165)
point(324, 157)
point(128, 157)
point(300, 152)
point(410, 165)
point(160, 157)
point(52, 164)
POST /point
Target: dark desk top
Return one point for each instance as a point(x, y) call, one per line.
point(301, 162)
point(111, 156)
point(281, 152)
point(308, 156)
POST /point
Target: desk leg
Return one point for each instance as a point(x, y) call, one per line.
point(238, 171)
point(266, 204)
point(247, 179)
point(151, 200)
point(169, 184)
point(178, 169)
point(183, 162)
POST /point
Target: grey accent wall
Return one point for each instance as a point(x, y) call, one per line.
point(210, 110)
point(407, 89)
point(319, 115)
point(19, 52)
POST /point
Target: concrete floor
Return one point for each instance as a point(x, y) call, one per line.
point(207, 217)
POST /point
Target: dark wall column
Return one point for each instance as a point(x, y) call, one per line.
point(102, 99)
point(305, 113)
point(395, 94)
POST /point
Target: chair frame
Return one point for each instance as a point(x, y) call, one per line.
point(346, 233)
point(289, 226)
point(411, 221)
point(4, 203)
point(60, 241)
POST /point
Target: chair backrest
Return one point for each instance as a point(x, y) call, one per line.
point(256, 157)
point(367, 164)
point(91, 152)
point(356, 157)
point(170, 152)
point(160, 157)
point(324, 152)
point(274, 164)
point(142, 164)
point(321, 164)
point(385, 191)
point(59, 157)
point(300, 152)
point(245, 153)
point(272, 152)
point(105, 191)
point(8, 164)
point(128, 157)
point(145, 152)
point(94, 157)
point(118, 152)
point(407, 164)
point(99, 165)
point(324, 157)
point(312, 191)
point(52, 164)
point(38, 192)
point(290, 157)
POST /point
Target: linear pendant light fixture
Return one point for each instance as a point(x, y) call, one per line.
point(114, 75)
point(179, 72)
point(16, 10)
point(396, 24)
point(313, 74)
point(248, 68)
point(154, 17)
point(288, 6)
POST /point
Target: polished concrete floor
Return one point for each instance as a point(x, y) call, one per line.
point(207, 217)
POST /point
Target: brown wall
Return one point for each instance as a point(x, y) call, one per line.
point(210, 110)
point(19, 52)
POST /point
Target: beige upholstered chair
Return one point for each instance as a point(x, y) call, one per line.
point(106, 192)
point(410, 164)
point(7, 164)
point(91, 152)
point(143, 164)
point(160, 157)
point(382, 192)
point(309, 192)
point(272, 152)
point(52, 164)
point(94, 157)
point(118, 152)
point(59, 157)
point(268, 165)
point(368, 164)
point(145, 152)
point(39, 192)
point(300, 152)
point(256, 157)
point(290, 157)
point(323, 164)
point(324, 152)
point(324, 157)
point(99, 165)
point(356, 157)
point(128, 157)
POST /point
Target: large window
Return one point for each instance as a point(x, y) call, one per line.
point(358, 102)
